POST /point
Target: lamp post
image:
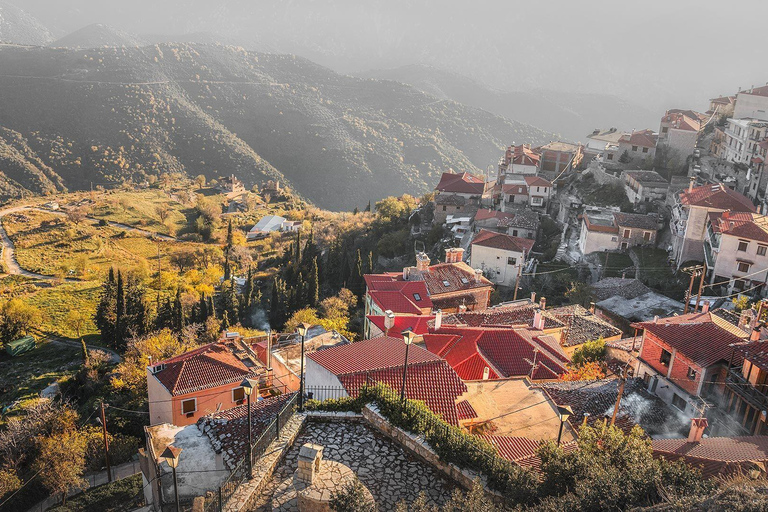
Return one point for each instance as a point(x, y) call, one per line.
point(303, 328)
point(564, 412)
point(408, 336)
point(248, 387)
point(171, 456)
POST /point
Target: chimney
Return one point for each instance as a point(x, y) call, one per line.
point(705, 307)
point(462, 308)
point(697, 429)
point(389, 321)
point(422, 262)
point(406, 273)
point(543, 303)
point(592, 307)
point(538, 320)
point(486, 373)
point(454, 255)
point(755, 336)
point(478, 275)
point(690, 184)
point(533, 297)
point(438, 319)
point(656, 319)
point(269, 350)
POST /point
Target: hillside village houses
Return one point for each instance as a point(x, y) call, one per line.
point(679, 131)
point(601, 231)
point(638, 145)
point(645, 186)
point(459, 195)
point(501, 257)
point(736, 250)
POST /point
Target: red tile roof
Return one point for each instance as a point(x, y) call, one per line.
point(370, 355)
point(390, 292)
point(205, 367)
point(680, 121)
point(757, 91)
point(537, 181)
point(503, 351)
point(701, 337)
point(459, 276)
point(756, 352)
point(598, 224)
point(465, 410)
point(486, 213)
point(718, 197)
point(418, 324)
point(715, 455)
point(463, 183)
point(512, 448)
point(515, 189)
point(522, 155)
point(752, 226)
point(642, 138)
point(504, 242)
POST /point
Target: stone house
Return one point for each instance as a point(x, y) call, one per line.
point(638, 145)
point(521, 222)
point(612, 231)
point(459, 195)
point(645, 186)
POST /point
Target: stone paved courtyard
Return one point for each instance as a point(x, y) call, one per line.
point(384, 467)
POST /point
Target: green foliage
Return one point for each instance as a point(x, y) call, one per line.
point(352, 498)
point(475, 500)
point(17, 318)
point(119, 496)
point(593, 351)
point(344, 404)
point(740, 303)
point(625, 158)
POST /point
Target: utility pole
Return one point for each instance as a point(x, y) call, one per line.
point(517, 280)
point(621, 392)
point(701, 286)
point(106, 440)
point(690, 289)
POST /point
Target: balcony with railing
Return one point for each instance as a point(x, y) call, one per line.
point(736, 382)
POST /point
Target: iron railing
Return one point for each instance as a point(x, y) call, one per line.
point(259, 447)
point(742, 387)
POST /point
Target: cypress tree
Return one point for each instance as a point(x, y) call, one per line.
point(106, 310)
point(355, 211)
point(368, 208)
point(369, 269)
point(119, 313)
point(211, 308)
point(227, 251)
point(229, 301)
point(178, 312)
point(297, 256)
point(164, 318)
point(313, 285)
point(202, 310)
point(225, 321)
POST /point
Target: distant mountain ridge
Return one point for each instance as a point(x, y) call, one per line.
point(96, 36)
point(19, 27)
point(105, 115)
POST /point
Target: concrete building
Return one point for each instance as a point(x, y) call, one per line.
point(500, 256)
point(690, 214)
point(638, 145)
point(752, 103)
point(722, 106)
point(645, 186)
point(746, 393)
point(742, 139)
point(616, 231)
point(679, 131)
point(560, 157)
point(518, 160)
point(736, 251)
point(600, 141)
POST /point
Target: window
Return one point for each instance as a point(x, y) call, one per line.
point(446, 284)
point(645, 150)
point(634, 148)
point(614, 238)
point(761, 249)
point(664, 130)
point(511, 261)
point(665, 358)
point(189, 406)
point(444, 207)
point(647, 236)
point(514, 232)
point(538, 189)
point(679, 402)
point(691, 373)
point(743, 245)
point(417, 297)
point(743, 266)
point(610, 156)
point(627, 233)
point(238, 394)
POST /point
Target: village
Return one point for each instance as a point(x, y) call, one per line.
point(663, 234)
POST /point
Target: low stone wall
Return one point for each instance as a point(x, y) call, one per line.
point(333, 416)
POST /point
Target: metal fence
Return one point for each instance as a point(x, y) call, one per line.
point(240, 473)
point(324, 392)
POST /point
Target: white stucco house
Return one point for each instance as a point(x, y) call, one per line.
point(499, 256)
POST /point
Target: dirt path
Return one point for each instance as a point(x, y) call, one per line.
point(114, 357)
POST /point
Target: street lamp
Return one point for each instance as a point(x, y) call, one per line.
point(248, 386)
point(408, 336)
point(171, 456)
point(303, 328)
point(564, 412)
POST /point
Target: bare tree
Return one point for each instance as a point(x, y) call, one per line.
point(77, 215)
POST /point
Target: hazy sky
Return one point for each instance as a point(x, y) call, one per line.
point(656, 53)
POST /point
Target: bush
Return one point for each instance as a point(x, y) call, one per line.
point(344, 404)
point(590, 352)
point(352, 498)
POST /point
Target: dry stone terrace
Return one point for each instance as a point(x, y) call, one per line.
point(385, 468)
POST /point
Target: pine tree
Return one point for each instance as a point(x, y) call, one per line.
point(313, 285)
point(369, 268)
point(106, 310)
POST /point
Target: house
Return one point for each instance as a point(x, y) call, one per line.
point(271, 224)
point(679, 131)
point(722, 106)
point(623, 311)
point(645, 186)
point(752, 103)
point(518, 161)
point(500, 256)
point(638, 145)
point(385, 295)
point(498, 353)
point(518, 314)
point(602, 141)
point(386, 324)
point(582, 325)
point(493, 220)
point(742, 139)
point(230, 185)
point(204, 380)
point(685, 358)
point(539, 191)
point(746, 385)
point(736, 251)
point(381, 360)
point(560, 157)
point(459, 195)
point(450, 286)
point(616, 231)
point(690, 214)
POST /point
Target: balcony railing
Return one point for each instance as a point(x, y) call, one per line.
point(739, 385)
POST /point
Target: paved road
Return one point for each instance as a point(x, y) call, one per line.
point(12, 264)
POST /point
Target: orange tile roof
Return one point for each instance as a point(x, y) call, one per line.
point(463, 183)
point(504, 242)
point(642, 138)
point(537, 181)
point(717, 197)
point(751, 226)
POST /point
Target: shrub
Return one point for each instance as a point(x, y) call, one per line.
point(344, 404)
point(352, 498)
point(593, 351)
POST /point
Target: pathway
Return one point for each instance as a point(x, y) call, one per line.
point(114, 357)
point(93, 480)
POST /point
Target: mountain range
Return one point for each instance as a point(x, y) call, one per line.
point(80, 115)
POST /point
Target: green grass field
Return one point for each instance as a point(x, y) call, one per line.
point(140, 209)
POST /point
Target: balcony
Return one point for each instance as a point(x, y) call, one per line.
point(736, 382)
point(709, 255)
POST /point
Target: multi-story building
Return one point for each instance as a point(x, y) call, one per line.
point(560, 157)
point(518, 160)
point(690, 214)
point(752, 103)
point(645, 186)
point(616, 231)
point(679, 131)
point(736, 250)
point(742, 139)
point(683, 358)
point(600, 142)
point(501, 257)
point(521, 221)
point(638, 145)
point(459, 195)
point(722, 106)
point(533, 191)
point(746, 385)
